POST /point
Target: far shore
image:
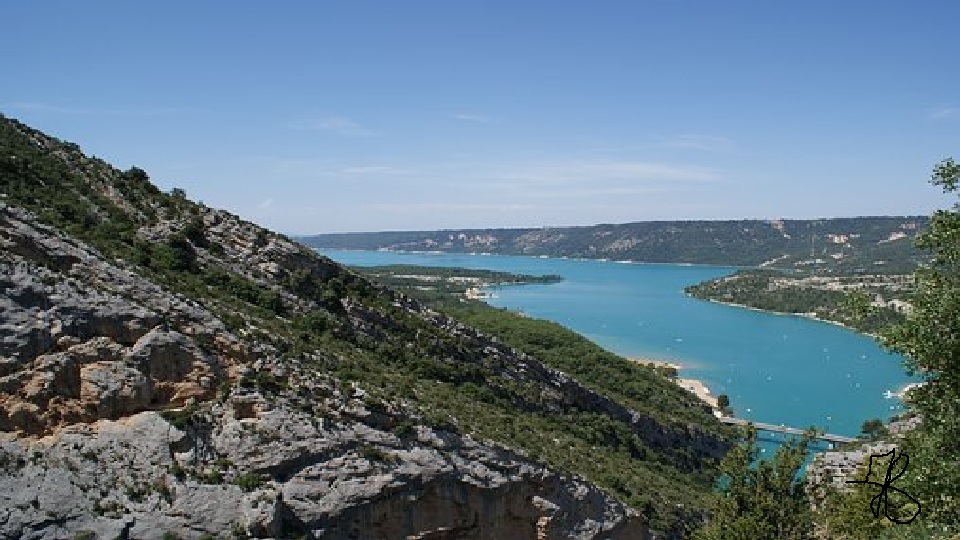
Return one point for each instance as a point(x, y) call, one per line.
point(810, 316)
point(561, 257)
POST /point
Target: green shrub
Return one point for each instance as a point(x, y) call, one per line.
point(214, 477)
point(373, 453)
point(181, 418)
point(404, 429)
point(249, 481)
point(194, 232)
point(178, 471)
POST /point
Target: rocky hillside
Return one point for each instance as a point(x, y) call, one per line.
point(168, 370)
point(839, 245)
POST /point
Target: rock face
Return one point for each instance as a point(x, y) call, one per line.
point(835, 468)
point(84, 450)
point(83, 339)
point(140, 477)
point(128, 410)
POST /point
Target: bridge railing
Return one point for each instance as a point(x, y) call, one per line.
point(829, 437)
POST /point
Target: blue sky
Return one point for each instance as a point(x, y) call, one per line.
point(356, 116)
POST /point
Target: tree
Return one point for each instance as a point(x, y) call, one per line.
point(193, 231)
point(873, 429)
point(723, 401)
point(175, 254)
point(857, 304)
point(761, 499)
point(930, 340)
point(846, 513)
point(136, 175)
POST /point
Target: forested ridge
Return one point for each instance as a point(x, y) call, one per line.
point(867, 303)
point(835, 245)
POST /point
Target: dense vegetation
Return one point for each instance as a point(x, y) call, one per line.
point(638, 386)
point(433, 283)
point(866, 303)
point(761, 499)
point(550, 342)
point(930, 339)
point(767, 500)
point(407, 274)
point(837, 245)
point(913, 496)
point(412, 365)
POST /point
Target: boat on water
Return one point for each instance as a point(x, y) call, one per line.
point(889, 394)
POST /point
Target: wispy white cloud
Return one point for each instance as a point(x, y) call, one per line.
point(706, 143)
point(335, 124)
point(449, 207)
point(474, 118)
point(29, 106)
point(603, 191)
point(373, 169)
point(441, 191)
point(591, 172)
point(944, 112)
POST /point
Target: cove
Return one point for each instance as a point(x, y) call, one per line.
point(778, 369)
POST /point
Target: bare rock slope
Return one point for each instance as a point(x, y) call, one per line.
point(86, 370)
point(168, 369)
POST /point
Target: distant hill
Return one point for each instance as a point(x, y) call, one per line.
point(836, 245)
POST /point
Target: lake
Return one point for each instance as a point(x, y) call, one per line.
point(778, 369)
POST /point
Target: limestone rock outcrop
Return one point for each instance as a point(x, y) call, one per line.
point(182, 373)
point(82, 339)
point(101, 437)
point(141, 477)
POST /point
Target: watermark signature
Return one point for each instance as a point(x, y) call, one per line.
point(881, 499)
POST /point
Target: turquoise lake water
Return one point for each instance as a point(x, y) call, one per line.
point(776, 369)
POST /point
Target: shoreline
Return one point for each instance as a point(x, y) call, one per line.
point(656, 362)
point(700, 390)
point(694, 386)
point(807, 316)
point(560, 258)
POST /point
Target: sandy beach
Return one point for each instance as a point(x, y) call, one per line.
point(700, 389)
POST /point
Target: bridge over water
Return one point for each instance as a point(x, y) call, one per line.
point(785, 429)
